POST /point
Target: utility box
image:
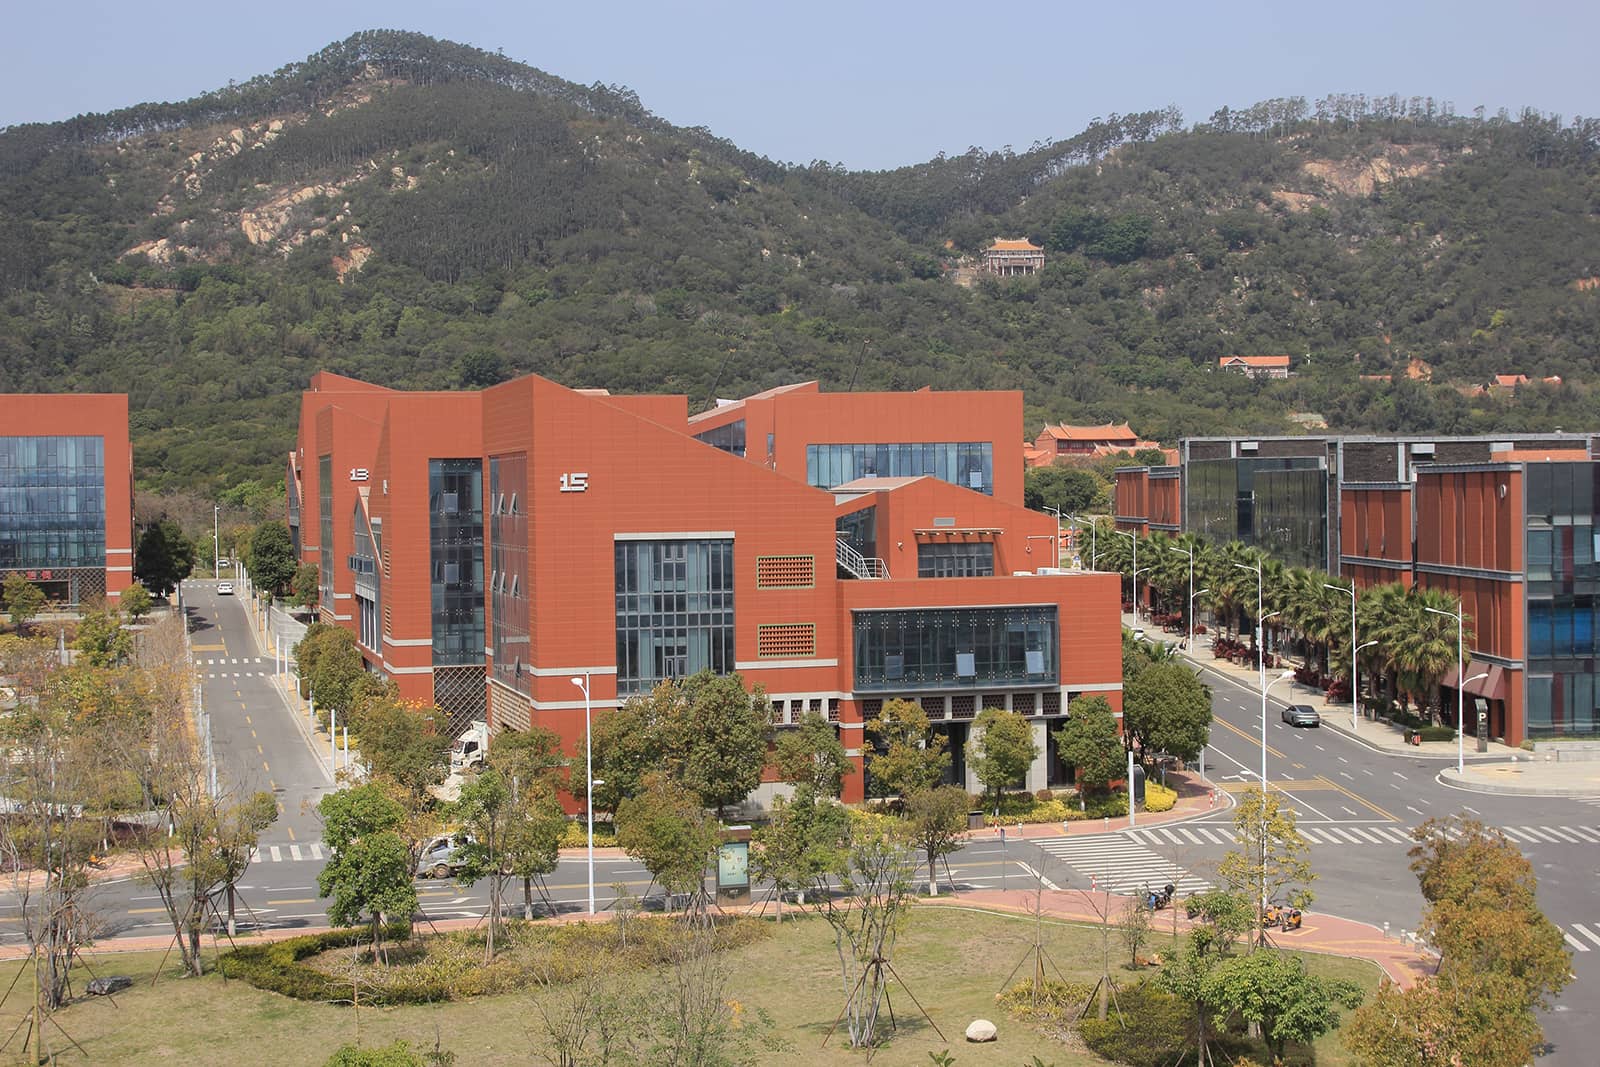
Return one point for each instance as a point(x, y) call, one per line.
point(1137, 785)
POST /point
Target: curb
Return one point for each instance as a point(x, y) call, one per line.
point(1449, 777)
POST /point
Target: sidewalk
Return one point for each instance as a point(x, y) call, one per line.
point(1196, 798)
point(1502, 769)
point(1327, 934)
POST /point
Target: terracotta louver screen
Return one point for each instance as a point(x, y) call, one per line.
point(786, 572)
point(787, 640)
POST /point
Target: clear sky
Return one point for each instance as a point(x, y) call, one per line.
point(871, 83)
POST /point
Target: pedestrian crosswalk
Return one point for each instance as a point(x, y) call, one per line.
point(1587, 939)
point(1118, 864)
point(220, 665)
point(1345, 835)
point(289, 853)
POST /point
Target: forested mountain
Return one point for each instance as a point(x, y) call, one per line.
point(426, 215)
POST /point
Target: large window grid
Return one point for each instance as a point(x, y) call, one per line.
point(1563, 599)
point(510, 579)
point(955, 648)
point(1277, 504)
point(956, 559)
point(965, 463)
point(455, 557)
point(325, 531)
point(364, 568)
point(674, 602)
point(52, 502)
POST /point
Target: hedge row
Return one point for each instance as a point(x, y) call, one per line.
point(1158, 797)
point(276, 966)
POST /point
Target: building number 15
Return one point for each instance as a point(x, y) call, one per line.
point(576, 482)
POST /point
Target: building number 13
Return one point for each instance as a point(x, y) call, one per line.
point(576, 482)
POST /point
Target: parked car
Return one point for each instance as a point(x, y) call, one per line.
point(441, 857)
point(224, 588)
point(1301, 715)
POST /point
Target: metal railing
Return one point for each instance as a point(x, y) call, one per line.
point(858, 565)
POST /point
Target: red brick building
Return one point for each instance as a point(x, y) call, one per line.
point(597, 536)
point(66, 494)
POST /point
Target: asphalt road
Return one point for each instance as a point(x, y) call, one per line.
point(1354, 803)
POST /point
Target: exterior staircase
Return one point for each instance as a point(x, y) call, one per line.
point(857, 565)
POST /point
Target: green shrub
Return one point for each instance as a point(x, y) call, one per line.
point(1153, 1025)
point(1106, 805)
point(1158, 797)
point(398, 1054)
point(1056, 1000)
point(277, 966)
point(1033, 811)
point(576, 835)
point(1437, 733)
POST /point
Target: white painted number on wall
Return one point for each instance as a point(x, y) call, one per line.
point(576, 482)
point(358, 474)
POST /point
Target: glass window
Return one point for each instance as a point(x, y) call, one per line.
point(729, 438)
point(52, 492)
point(923, 648)
point(674, 605)
point(325, 529)
point(455, 552)
point(512, 596)
point(956, 560)
point(966, 463)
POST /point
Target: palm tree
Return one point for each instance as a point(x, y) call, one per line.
point(1381, 611)
point(1424, 647)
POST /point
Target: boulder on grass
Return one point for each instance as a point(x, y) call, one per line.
point(982, 1030)
point(102, 987)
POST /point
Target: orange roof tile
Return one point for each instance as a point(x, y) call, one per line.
point(1003, 244)
point(1510, 379)
point(1111, 431)
point(1254, 361)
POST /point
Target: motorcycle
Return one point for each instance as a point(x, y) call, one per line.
point(1156, 899)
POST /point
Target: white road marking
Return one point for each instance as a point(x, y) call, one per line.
point(1347, 774)
point(1047, 883)
point(1365, 771)
point(1193, 839)
point(294, 853)
point(277, 854)
point(1343, 760)
point(1321, 749)
point(1586, 932)
point(1397, 774)
point(1348, 811)
point(1473, 810)
point(1419, 811)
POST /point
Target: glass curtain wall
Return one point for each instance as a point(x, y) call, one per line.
point(729, 438)
point(455, 554)
point(974, 559)
point(965, 463)
point(674, 610)
point(1562, 577)
point(325, 531)
point(52, 503)
point(510, 579)
point(1278, 504)
point(955, 648)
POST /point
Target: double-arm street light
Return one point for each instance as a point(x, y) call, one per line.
point(588, 775)
point(1461, 687)
point(1057, 513)
point(1094, 542)
point(1355, 689)
point(1193, 594)
point(216, 540)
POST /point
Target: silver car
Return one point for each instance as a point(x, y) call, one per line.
point(1301, 715)
point(442, 857)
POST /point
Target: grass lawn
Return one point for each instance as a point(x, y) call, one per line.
point(953, 961)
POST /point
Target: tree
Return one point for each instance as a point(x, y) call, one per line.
point(1064, 489)
point(24, 601)
point(873, 904)
point(399, 742)
point(1002, 749)
point(812, 755)
point(164, 557)
point(1134, 927)
point(1273, 990)
point(512, 831)
point(480, 368)
point(705, 732)
point(101, 639)
point(1474, 1020)
point(668, 831)
point(528, 756)
point(305, 589)
point(271, 560)
point(911, 756)
point(801, 842)
point(937, 820)
point(135, 600)
point(369, 872)
point(1272, 859)
point(1090, 743)
point(726, 738)
point(1166, 708)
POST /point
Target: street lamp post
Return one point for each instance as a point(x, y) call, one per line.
point(1193, 593)
point(1057, 513)
point(1094, 541)
point(1355, 689)
point(1461, 688)
point(216, 540)
point(1134, 537)
point(588, 776)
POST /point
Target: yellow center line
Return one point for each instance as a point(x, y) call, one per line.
point(247, 721)
point(273, 786)
point(259, 752)
point(291, 832)
point(1248, 737)
point(1358, 800)
point(265, 767)
point(297, 900)
point(147, 911)
point(253, 733)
